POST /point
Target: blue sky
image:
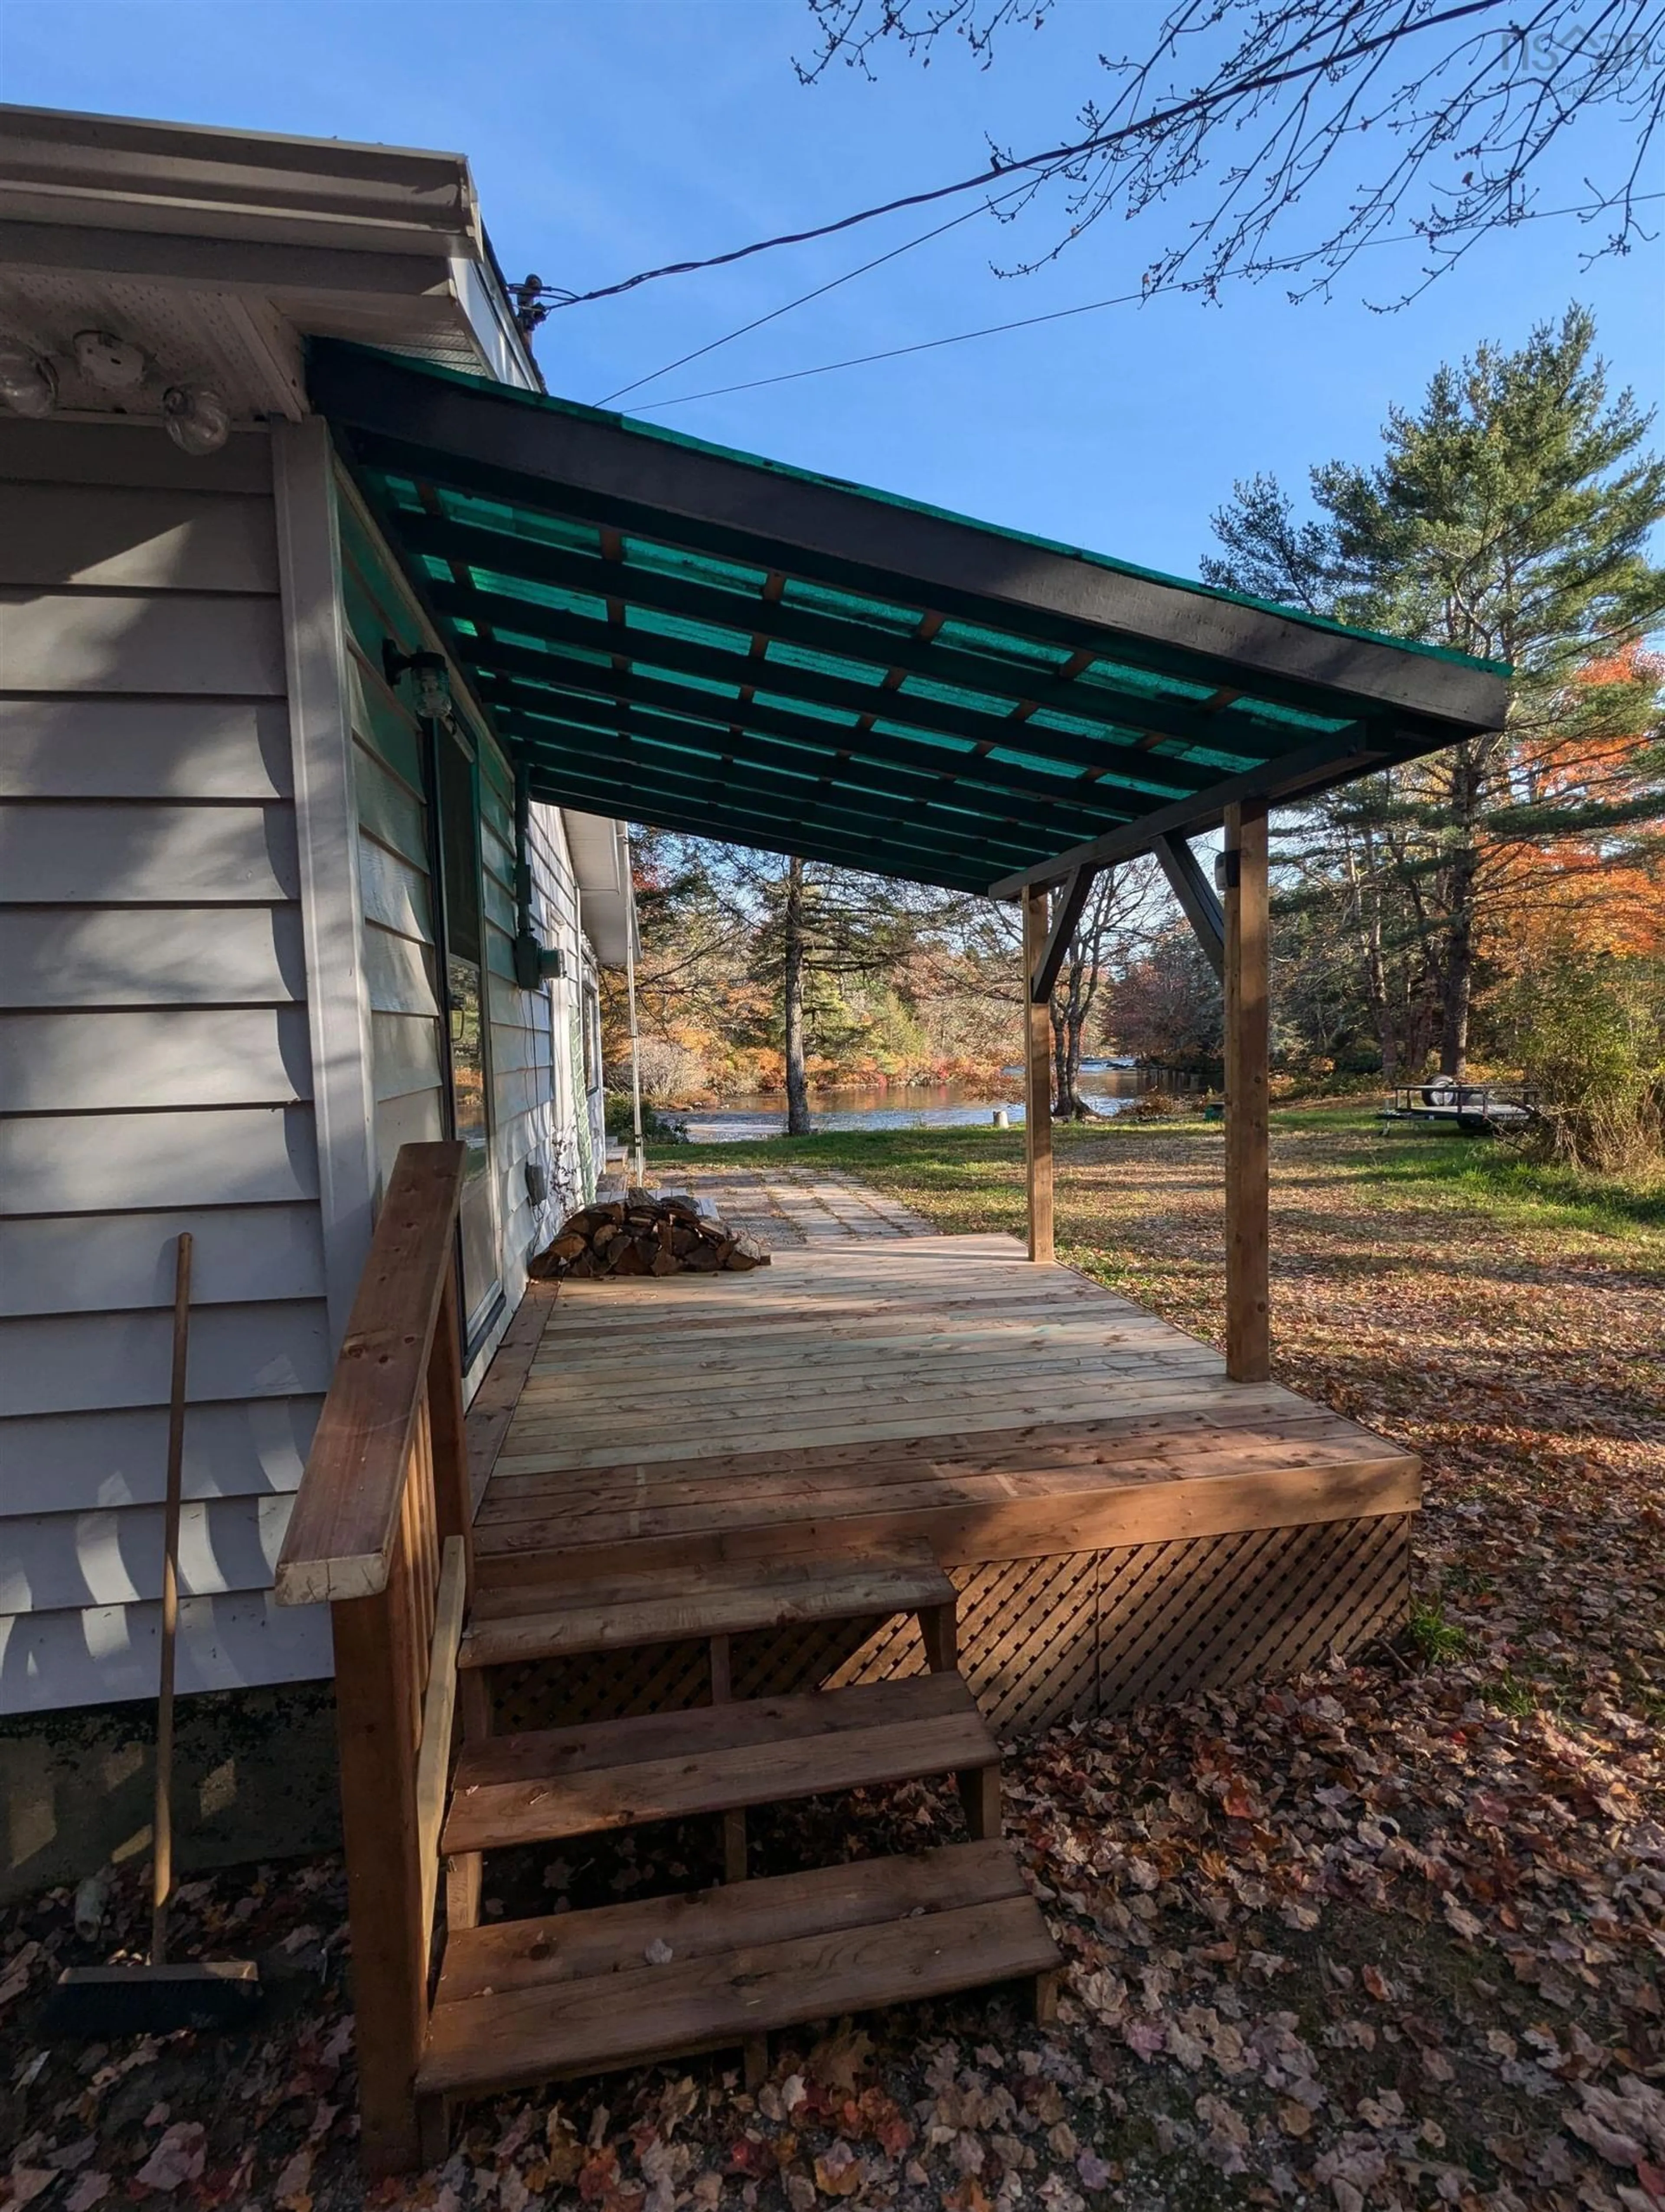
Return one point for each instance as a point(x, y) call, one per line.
point(609, 137)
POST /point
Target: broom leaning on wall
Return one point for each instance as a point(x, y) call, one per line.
point(162, 1994)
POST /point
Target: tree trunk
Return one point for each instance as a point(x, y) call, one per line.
point(1368, 896)
point(1459, 980)
point(798, 1081)
point(1457, 964)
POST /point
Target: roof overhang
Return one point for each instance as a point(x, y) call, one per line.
point(731, 647)
point(219, 250)
point(598, 848)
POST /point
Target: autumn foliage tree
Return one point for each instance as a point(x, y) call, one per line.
point(1509, 517)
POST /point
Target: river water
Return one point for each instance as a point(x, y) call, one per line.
point(896, 1106)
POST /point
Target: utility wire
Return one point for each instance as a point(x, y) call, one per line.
point(1263, 81)
point(804, 298)
point(1056, 315)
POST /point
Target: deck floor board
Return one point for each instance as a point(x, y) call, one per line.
point(931, 1388)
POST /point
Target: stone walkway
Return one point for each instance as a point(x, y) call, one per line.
point(786, 1207)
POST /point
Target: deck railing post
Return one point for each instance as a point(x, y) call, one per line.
point(1248, 1322)
point(378, 1721)
point(1037, 1065)
point(380, 1531)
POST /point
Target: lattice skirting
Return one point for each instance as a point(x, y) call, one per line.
point(1050, 1639)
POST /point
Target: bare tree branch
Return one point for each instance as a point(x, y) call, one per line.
point(1406, 109)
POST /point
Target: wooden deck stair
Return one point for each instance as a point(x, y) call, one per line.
point(527, 2000)
point(426, 1603)
point(523, 2000)
point(537, 1614)
point(540, 1787)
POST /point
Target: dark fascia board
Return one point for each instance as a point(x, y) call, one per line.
point(1298, 775)
point(629, 466)
point(226, 264)
point(63, 167)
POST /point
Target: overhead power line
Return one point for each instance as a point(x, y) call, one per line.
point(1054, 315)
point(804, 298)
point(1264, 79)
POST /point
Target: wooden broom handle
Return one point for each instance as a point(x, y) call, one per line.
point(161, 1856)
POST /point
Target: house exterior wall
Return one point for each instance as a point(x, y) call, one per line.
point(163, 963)
point(537, 1100)
point(154, 1066)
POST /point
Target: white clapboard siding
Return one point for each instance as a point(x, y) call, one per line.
point(154, 1065)
point(388, 811)
point(73, 1063)
point(399, 974)
point(406, 1051)
point(395, 894)
point(126, 456)
point(416, 1119)
point(148, 539)
point(66, 854)
point(192, 749)
point(382, 721)
point(161, 956)
point(514, 1047)
point(50, 1660)
point(116, 1262)
point(100, 1162)
point(180, 644)
point(518, 1092)
point(506, 1004)
point(114, 1557)
point(81, 1363)
point(69, 1462)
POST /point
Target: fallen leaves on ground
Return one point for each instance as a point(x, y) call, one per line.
point(1389, 1936)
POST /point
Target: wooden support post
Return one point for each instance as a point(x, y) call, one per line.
point(376, 1722)
point(938, 1626)
point(464, 1869)
point(734, 1822)
point(434, 2129)
point(1247, 1324)
point(980, 1795)
point(1037, 1059)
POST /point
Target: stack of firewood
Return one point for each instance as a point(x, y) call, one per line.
point(647, 1233)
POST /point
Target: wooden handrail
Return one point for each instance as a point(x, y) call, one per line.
point(380, 1531)
point(346, 1516)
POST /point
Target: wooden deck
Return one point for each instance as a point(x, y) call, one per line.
point(1121, 1520)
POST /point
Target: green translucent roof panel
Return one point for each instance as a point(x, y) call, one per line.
point(670, 630)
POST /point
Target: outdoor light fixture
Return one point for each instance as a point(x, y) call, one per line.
point(197, 419)
point(111, 362)
point(29, 383)
point(432, 700)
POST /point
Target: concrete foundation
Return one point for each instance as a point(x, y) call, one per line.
point(254, 1778)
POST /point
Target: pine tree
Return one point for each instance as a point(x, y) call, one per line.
point(1508, 518)
point(820, 929)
